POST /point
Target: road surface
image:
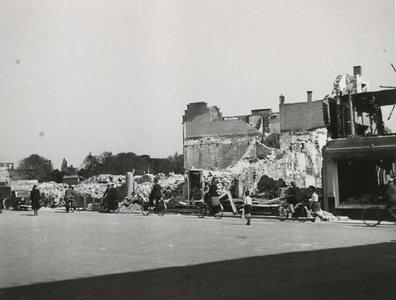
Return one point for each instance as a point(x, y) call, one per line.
point(88, 255)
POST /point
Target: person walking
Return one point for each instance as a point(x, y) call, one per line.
point(35, 197)
point(247, 201)
point(314, 205)
point(292, 196)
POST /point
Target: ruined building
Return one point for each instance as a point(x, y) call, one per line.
point(360, 156)
point(284, 145)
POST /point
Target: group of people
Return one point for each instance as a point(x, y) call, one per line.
point(293, 198)
point(312, 203)
point(309, 202)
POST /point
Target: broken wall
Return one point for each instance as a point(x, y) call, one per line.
point(216, 153)
point(299, 159)
point(301, 116)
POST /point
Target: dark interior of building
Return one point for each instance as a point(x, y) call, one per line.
point(362, 181)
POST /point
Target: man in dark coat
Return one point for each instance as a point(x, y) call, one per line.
point(113, 193)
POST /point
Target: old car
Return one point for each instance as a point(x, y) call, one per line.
point(20, 199)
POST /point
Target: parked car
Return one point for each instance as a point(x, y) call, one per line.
point(20, 199)
point(5, 192)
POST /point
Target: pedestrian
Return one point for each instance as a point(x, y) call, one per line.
point(247, 201)
point(292, 195)
point(35, 197)
point(155, 194)
point(391, 197)
point(314, 200)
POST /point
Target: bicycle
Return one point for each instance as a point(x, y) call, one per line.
point(72, 205)
point(374, 215)
point(300, 212)
point(284, 211)
point(147, 207)
point(109, 206)
point(201, 209)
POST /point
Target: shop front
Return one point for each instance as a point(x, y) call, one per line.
point(356, 172)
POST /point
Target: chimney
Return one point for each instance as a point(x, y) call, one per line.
point(357, 70)
point(309, 96)
point(281, 100)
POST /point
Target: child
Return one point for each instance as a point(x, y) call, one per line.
point(247, 206)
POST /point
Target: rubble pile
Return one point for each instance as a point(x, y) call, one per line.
point(299, 159)
point(225, 180)
point(91, 189)
point(51, 189)
point(172, 185)
point(129, 208)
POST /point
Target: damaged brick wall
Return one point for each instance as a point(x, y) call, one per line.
point(232, 144)
point(301, 116)
point(215, 153)
point(299, 159)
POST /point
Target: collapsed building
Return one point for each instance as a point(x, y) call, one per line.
point(281, 146)
point(360, 156)
point(338, 143)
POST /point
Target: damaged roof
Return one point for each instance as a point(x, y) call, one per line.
point(381, 98)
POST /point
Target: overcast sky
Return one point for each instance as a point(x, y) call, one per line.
point(82, 76)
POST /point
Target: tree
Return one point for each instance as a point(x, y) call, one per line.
point(91, 165)
point(56, 176)
point(36, 167)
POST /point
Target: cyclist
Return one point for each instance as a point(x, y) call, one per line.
point(391, 197)
point(70, 195)
point(155, 194)
point(213, 201)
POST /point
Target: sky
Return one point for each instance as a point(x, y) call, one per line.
point(88, 76)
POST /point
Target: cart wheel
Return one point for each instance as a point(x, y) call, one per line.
point(201, 210)
point(219, 213)
point(145, 210)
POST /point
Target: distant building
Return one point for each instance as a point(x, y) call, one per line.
point(71, 180)
point(4, 172)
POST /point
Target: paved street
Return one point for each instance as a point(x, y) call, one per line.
point(87, 255)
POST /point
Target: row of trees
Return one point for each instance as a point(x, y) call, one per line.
point(38, 167)
point(121, 163)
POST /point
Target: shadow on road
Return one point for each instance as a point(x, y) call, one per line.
point(361, 272)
